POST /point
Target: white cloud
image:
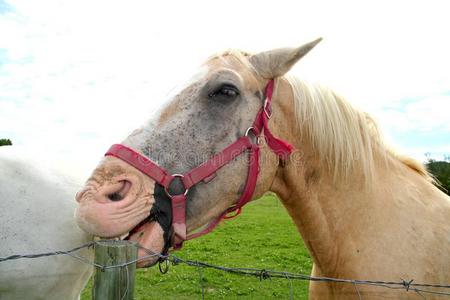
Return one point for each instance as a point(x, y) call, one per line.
point(420, 115)
point(82, 74)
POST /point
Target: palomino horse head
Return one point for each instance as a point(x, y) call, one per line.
point(363, 211)
point(211, 112)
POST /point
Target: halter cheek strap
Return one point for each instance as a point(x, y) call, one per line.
point(206, 170)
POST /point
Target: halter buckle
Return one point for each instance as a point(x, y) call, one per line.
point(232, 212)
point(267, 109)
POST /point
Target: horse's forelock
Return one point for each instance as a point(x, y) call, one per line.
point(235, 56)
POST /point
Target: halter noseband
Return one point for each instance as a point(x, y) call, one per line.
point(206, 170)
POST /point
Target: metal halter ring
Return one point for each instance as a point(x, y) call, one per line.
point(173, 177)
point(252, 129)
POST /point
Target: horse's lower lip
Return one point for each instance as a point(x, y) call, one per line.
point(147, 234)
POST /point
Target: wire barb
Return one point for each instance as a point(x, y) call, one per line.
point(407, 284)
point(264, 275)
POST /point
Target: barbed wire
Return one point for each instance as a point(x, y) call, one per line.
point(262, 274)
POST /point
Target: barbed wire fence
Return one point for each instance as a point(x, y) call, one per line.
point(421, 289)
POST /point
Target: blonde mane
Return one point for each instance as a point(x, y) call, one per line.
point(346, 139)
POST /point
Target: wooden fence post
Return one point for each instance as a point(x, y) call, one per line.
point(114, 283)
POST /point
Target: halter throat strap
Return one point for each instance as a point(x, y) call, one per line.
point(206, 171)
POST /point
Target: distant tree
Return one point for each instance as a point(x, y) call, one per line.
point(5, 142)
point(440, 170)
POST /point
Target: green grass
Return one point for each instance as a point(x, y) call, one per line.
point(262, 237)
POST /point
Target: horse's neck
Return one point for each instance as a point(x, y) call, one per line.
point(323, 214)
point(358, 230)
point(341, 222)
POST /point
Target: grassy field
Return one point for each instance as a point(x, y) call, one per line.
point(263, 236)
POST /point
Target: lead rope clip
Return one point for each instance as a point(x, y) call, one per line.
point(164, 266)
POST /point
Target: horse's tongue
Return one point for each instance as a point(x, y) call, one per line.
point(150, 236)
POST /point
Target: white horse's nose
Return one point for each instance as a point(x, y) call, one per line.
point(80, 194)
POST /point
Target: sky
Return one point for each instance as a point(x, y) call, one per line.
point(77, 76)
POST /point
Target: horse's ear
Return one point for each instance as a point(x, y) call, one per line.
point(275, 63)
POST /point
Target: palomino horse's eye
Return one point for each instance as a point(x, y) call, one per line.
point(225, 92)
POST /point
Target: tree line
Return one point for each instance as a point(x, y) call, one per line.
point(441, 171)
point(5, 142)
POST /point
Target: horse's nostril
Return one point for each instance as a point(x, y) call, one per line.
point(121, 191)
point(115, 197)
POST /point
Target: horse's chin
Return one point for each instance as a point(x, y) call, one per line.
point(150, 236)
